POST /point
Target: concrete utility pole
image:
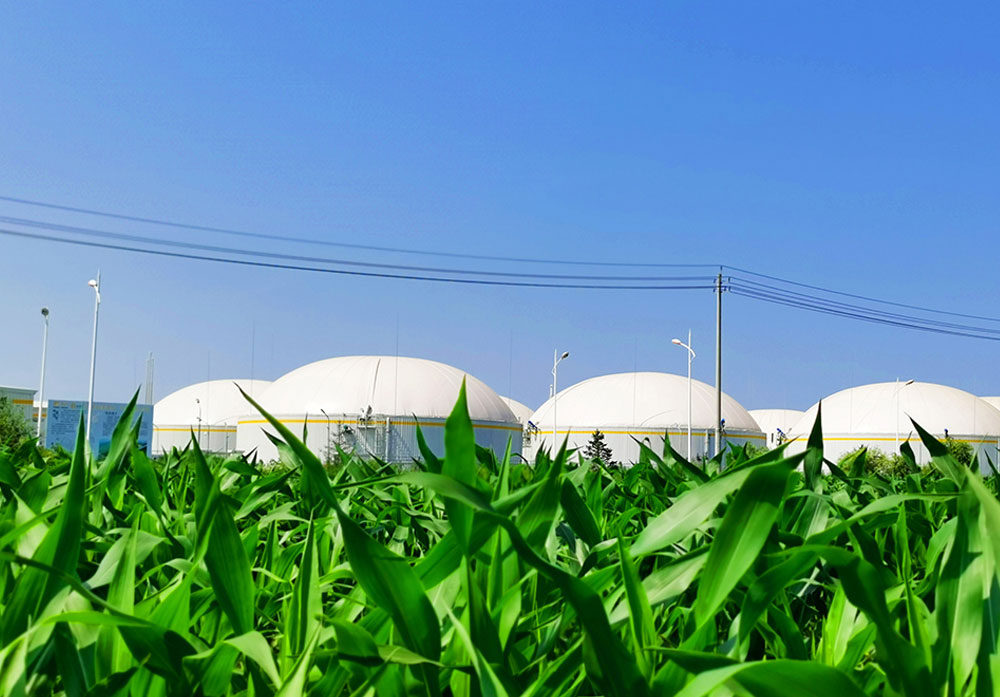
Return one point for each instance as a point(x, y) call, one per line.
point(149, 379)
point(718, 365)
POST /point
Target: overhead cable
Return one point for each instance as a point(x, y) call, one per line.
point(347, 245)
point(349, 272)
point(54, 227)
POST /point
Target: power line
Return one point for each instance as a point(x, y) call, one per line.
point(346, 272)
point(54, 227)
point(794, 296)
point(756, 290)
point(345, 245)
point(861, 297)
point(970, 332)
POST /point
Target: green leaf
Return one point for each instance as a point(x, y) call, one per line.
point(60, 548)
point(779, 678)
point(578, 515)
point(740, 537)
point(460, 464)
point(305, 608)
point(225, 555)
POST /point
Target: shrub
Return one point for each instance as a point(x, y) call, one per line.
point(14, 428)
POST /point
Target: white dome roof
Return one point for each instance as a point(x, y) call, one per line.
point(521, 411)
point(872, 409)
point(219, 402)
point(770, 420)
point(390, 385)
point(657, 400)
point(992, 401)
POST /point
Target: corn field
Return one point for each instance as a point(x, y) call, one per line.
point(481, 575)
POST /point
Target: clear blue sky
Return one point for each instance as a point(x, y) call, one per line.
point(853, 145)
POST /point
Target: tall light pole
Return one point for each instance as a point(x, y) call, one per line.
point(96, 285)
point(197, 401)
point(691, 357)
point(41, 385)
point(556, 360)
point(327, 453)
point(896, 395)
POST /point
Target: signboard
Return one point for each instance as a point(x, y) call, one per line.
point(63, 419)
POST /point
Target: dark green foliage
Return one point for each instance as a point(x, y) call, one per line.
point(472, 575)
point(880, 464)
point(14, 428)
point(963, 452)
point(597, 449)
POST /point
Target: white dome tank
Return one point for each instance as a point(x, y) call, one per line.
point(522, 411)
point(208, 409)
point(776, 424)
point(644, 406)
point(878, 416)
point(372, 404)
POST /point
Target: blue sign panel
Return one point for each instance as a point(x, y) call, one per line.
point(63, 419)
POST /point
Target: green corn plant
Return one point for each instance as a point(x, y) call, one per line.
point(477, 573)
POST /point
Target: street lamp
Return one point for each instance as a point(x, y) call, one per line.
point(41, 386)
point(96, 285)
point(556, 360)
point(895, 395)
point(198, 402)
point(323, 412)
point(691, 357)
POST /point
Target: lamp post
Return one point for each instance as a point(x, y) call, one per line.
point(895, 394)
point(691, 357)
point(197, 401)
point(41, 385)
point(96, 285)
point(327, 453)
point(556, 360)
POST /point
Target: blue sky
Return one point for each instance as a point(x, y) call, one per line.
point(846, 144)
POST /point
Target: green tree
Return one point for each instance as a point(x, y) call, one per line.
point(14, 428)
point(878, 462)
point(960, 450)
point(597, 449)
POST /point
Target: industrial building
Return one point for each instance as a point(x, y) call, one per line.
point(209, 410)
point(643, 406)
point(372, 404)
point(22, 399)
point(776, 424)
point(878, 416)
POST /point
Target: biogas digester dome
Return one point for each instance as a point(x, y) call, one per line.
point(522, 411)
point(776, 424)
point(643, 406)
point(878, 416)
point(208, 409)
point(372, 404)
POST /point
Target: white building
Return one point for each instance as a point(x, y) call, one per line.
point(22, 399)
point(627, 407)
point(372, 404)
point(878, 416)
point(776, 423)
point(210, 410)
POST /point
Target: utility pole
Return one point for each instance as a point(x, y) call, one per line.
point(149, 379)
point(718, 365)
